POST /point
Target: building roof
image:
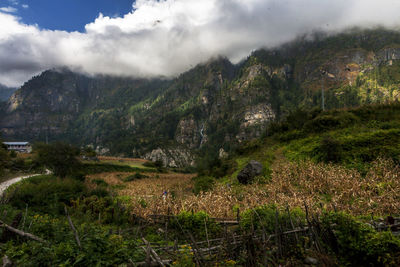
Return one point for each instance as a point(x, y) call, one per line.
point(16, 143)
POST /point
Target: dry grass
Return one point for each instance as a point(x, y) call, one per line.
point(150, 190)
point(293, 184)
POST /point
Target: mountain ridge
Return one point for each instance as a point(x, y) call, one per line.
point(211, 108)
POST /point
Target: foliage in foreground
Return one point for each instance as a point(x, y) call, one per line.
point(358, 244)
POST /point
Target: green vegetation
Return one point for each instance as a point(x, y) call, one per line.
point(196, 224)
point(92, 168)
point(353, 138)
point(135, 176)
point(203, 184)
point(358, 244)
point(266, 218)
point(207, 111)
point(59, 157)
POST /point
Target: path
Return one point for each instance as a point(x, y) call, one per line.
point(6, 184)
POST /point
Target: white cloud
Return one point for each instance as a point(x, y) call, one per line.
point(13, 2)
point(8, 9)
point(166, 37)
point(25, 6)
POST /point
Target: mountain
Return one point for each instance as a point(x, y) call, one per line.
point(6, 92)
point(212, 108)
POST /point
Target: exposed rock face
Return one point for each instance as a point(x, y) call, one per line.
point(255, 121)
point(388, 55)
point(252, 169)
point(174, 158)
point(188, 133)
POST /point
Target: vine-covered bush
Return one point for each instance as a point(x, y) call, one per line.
point(360, 245)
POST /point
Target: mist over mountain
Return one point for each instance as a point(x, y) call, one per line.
point(166, 38)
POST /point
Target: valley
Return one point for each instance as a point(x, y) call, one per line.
point(287, 158)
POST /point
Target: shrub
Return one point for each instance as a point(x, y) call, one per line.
point(288, 136)
point(360, 245)
point(153, 164)
point(99, 247)
point(203, 184)
point(135, 176)
point(264, 218)
point(100, 182)
point(104, 209)
point(195, 223)
point(59, 157)
point(46, 193)
point(329, 150)
point(93, 168)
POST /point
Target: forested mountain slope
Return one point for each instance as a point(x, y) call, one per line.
point(211, 108)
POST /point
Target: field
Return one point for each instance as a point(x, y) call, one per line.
point(320, 186)
point(132, 162)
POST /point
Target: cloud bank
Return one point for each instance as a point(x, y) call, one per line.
point(167, 37)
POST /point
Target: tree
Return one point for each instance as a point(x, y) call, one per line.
point(59, 157)
point(4, 157)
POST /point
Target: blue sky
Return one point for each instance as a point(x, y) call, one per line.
point(68, 15)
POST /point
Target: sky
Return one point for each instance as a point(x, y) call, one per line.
point(152, 38)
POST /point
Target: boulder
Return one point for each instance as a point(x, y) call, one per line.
point(252, 169)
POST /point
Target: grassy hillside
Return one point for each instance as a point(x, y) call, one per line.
point(352, 137)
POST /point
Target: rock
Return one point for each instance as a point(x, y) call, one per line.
point(174, 158)
point(311, 261)
point(252, 169)
point(223, 154)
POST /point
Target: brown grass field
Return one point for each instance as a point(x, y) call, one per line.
point(321, 186)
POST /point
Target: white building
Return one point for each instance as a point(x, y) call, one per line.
point(23, 147)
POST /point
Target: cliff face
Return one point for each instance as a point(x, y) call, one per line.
point(211, 108)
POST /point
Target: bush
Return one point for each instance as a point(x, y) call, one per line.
point(264, 218)
point(203, 184)
point(329, 150)
point(59, 157)
point(100, 182)
point(99, 247)
point(328, 122)
point(93, 168)
point(135, 176)
point(154, 164)
point(46, 193)
point(360, 245)
point(4, 159)
point(195, 223)
point(103, 209)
